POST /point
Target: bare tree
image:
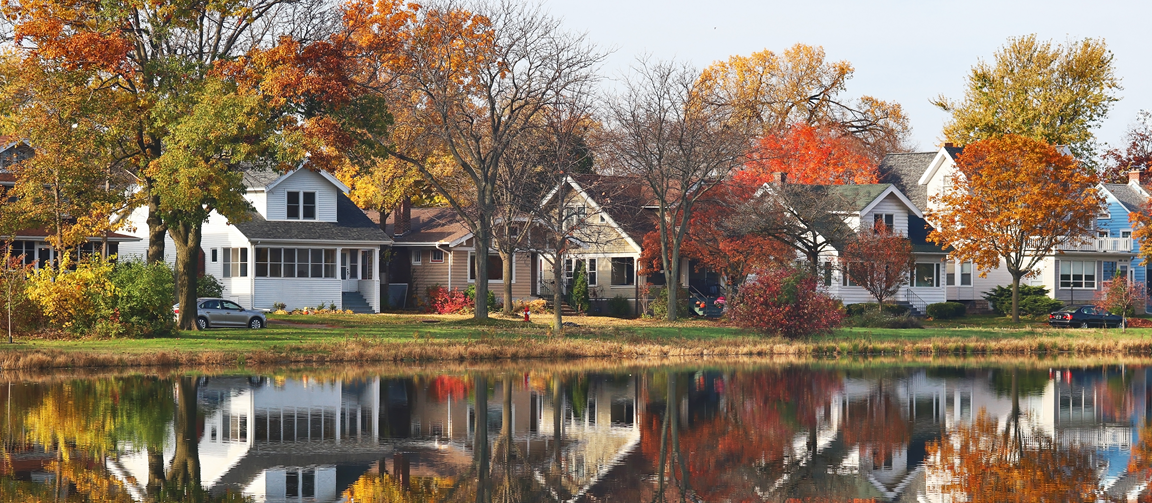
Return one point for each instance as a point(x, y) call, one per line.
point(807, 218)
point(480, 94)
point(680, 140)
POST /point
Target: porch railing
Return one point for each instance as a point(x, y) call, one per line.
point(919, 304)
point(1089, 244)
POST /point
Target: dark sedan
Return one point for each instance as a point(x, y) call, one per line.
point(1084, 317)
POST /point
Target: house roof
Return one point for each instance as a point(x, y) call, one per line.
point(623, 198)
point(258, 178)
point(38, 234)
point(351, 225)
point(432, 225)
point(904, 171)
point(859, 196)
point(1129, 197)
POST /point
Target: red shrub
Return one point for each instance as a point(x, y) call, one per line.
point(785, 301)
point(444, 301)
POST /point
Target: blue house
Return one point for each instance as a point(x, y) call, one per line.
point(1122, 199)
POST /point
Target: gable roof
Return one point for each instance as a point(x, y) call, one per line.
point(904, 171)
point(351, 225)
point(944, 154)
point(622, 199)
point(257, 178)
point(1130, 197)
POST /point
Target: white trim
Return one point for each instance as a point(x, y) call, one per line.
point(600, 210)
point(899, 195)
point(935, 165)
point(416, 257)
point(327, 176)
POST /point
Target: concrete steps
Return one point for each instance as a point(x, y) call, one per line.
point(356, 302)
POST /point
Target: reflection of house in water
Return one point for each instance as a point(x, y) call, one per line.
point(286, 440)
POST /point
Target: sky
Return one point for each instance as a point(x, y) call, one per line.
point(903, 51)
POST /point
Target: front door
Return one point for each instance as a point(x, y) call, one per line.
point(44, 256)
point(350, 270)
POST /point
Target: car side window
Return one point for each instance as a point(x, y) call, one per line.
point(231, 305)
point(211, 304)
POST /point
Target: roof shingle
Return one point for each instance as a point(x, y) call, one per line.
point(351, 225)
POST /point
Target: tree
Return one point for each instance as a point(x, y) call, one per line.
point(13, 276)
point(1135, 156)
point(176, 71)
point(1002, 203)
point(1053, 93)
point(482, 80)
point(809, 155)
point(786, 301)
point(881, 261)
point(1122, 297)
point(681, 139)
point(799, 87)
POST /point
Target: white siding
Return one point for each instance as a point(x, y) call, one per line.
point(219, 235)
point(259, 201)
point(370, 290)
point(297, 293)
point(936, 183)
point(303, 180)
point(894, 206)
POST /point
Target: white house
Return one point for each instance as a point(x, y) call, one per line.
point(306, 244)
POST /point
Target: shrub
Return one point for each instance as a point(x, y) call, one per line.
point(15, 309)
point(279, 306)
point(659, 303)
point(535, 306)
point(946, 310)
point(208, 286)
point(892, 309)
point(619, 307)
point(1000, 298)
point(880, 319)
point(444, 301)
point(470, 292)
point(1035, 306)
point(144, 298)
point(579, 298)
point(786, 301)
point(74, 300)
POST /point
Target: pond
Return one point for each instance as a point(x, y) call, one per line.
point(587, 432)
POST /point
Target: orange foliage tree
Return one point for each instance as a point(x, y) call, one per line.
point(810, 155)
point(1016, 200)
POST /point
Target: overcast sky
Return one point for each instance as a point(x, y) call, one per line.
point(903, 51)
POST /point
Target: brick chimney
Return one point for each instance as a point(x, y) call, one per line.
point(949, 144)
point(402, 218)
point(1134, 178)
point(779, 178)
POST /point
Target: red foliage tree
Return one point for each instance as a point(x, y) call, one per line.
point(1122, 297)
point(880, 261)
point(809, 155)
point(785, 301)
point(1136, 154)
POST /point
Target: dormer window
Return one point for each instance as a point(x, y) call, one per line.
point(887, 219)
point(301, 205)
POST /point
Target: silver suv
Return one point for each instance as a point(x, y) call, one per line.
point(211, 312)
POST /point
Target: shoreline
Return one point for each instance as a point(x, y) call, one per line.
point(357, 351)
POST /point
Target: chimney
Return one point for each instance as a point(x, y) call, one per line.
point(1134, 178)
point(949, 144)
point(402, 218)
point(779, 178)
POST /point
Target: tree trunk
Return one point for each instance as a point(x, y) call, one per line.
point(480, 440)
point(672, 282)
point(155, 471)
point(187, 239)
point(557, 294)
point(185, 469)
point(506, 423)
point(1016, 297)
point(509, 260)
point(156, 231)
point(557, 424)
point(482, 241)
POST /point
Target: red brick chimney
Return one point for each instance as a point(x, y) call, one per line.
point(779, 178)
point(1134, 178)
point(949, 144)
point(402, 218)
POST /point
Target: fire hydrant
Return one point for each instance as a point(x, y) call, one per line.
point(526, 313)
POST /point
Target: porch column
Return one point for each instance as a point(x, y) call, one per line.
point(379, 306)
point(341, 265)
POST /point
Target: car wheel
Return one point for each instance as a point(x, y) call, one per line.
point(256, 324)
point(202, 323)
point(1084, 324)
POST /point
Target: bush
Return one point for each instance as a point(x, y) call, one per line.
point(208, 286)
point(619, 307)
point(892, 309)
point(1000, 298)
point(535, 306)
point(24, 316)
point(659, 303)
point(74, 300)
point(470, 293)
point(578, 295)
point(1037, 306)
point(879, 319)
point(444, 301)
point(786, 301)
point(946, 310)
point(144, 298)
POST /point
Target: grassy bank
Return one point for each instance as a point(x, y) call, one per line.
point(364, 339)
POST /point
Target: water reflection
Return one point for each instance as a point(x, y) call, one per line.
point(773, 433)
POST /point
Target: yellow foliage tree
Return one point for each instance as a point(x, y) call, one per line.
point(74, 300)
point(1014, 199)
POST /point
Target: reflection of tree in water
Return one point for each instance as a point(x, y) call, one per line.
point(876, 425)
point(88, 422)
point(986, 462)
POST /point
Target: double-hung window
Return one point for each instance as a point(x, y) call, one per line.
point(301, 205)
point(888, 220)
point(1077, 274)
point(925, 275)
point(235, 262)
point(623, 271)
point(591, 272)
